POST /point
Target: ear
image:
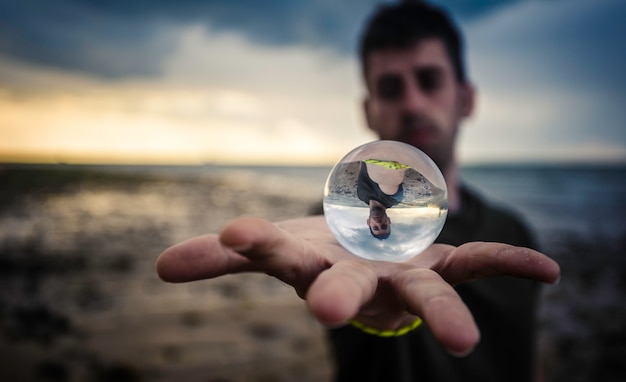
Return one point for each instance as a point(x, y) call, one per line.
point(367, 110)
point(467, 100)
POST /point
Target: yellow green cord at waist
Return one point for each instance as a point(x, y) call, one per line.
point(387, 333)
point(392, 165)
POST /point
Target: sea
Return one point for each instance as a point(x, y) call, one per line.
point(586, 201)
point(574, 200)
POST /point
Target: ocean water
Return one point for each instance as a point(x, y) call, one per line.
point(586, 201)
point(558, 201)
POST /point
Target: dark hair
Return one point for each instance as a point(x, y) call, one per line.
point(402, 25)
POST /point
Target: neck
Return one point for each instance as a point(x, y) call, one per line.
point(452, 175)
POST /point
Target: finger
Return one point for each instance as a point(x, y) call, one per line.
point(275, 251)
point(199, 258)
point(479, 260)
point(339, 292)
point(428, 296)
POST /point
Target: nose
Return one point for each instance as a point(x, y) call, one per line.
point(413, 100)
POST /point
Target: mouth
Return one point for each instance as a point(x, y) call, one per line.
point(417, 130)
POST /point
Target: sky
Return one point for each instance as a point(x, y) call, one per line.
point(248, 82)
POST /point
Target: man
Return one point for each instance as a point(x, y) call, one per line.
point(417, 320)
point(380, 188)
point(411, 56)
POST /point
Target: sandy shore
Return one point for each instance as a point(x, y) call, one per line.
point(80, 300)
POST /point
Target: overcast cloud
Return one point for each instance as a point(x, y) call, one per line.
point(219, 80)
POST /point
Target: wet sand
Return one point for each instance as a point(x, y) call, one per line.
point(80, 300)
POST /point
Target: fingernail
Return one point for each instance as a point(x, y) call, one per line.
point(557, 281)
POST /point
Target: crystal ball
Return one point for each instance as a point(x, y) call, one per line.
point(385, 201)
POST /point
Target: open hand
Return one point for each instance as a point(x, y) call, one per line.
point(339, 286)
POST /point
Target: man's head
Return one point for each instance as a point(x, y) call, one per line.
point(379, 222)
point(418, 93)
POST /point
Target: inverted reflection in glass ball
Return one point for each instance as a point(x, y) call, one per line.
point(385, 201)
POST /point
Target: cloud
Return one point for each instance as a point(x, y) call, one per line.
point(117, 39)
point(577, 44)
point(550, 82)
point(316, 84)
point(217, 80)
point(76, 36)
point(219, 98)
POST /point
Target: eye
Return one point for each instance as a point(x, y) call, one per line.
point(428, 79)
point(390, 87)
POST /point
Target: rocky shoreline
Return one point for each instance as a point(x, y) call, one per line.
point(80, 301)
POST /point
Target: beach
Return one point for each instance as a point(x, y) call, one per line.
point(80, 299)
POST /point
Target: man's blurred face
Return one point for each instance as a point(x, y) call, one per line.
point(414, 97)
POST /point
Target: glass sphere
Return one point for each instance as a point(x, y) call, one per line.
point(385, 201)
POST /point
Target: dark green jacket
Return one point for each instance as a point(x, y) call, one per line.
point(504, 309)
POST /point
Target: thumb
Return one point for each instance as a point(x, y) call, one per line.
point(275, 251)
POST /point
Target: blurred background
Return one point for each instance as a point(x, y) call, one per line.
point(128, 126)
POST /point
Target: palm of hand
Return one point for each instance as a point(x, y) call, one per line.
point(339, 286)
